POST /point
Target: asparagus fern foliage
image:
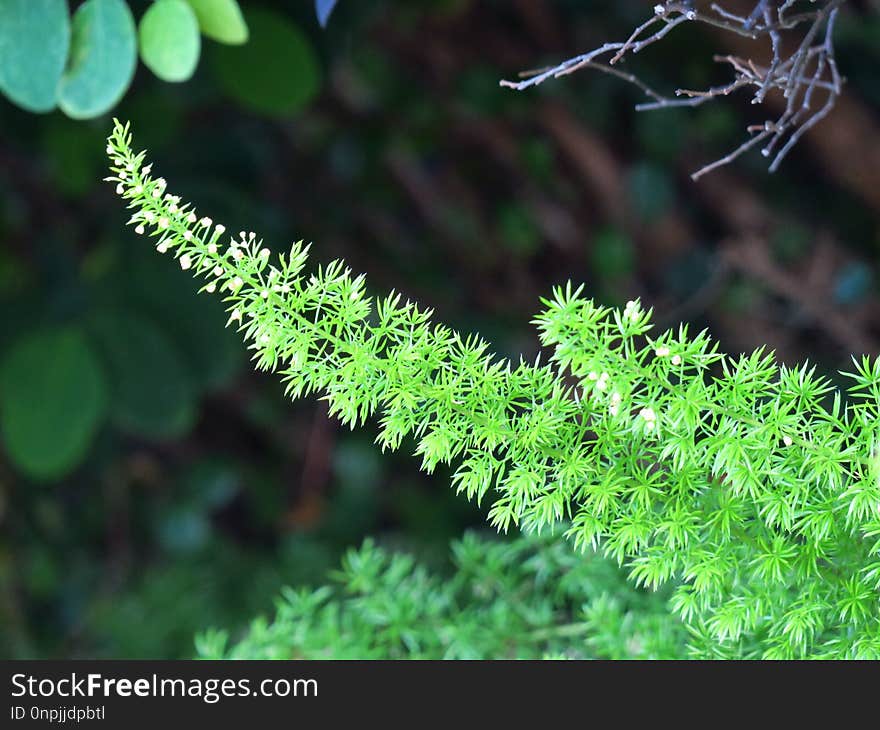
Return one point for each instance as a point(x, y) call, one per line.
point(751, 487)
point(527, 598)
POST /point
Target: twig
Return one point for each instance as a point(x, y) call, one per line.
point(802, 75)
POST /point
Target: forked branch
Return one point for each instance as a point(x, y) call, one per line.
point(806, 76)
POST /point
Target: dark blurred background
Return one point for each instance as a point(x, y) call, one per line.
point(203, 489)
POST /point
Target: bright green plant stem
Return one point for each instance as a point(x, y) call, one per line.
point(752, 484)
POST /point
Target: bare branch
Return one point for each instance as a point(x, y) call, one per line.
point(807, 71)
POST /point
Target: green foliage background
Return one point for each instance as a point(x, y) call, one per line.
point(152, 486)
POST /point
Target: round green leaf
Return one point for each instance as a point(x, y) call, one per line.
point(34, 40)
point(52, 400)
point(169, 40)
point(152, 392)
point(221, 20)
point(277, 73)
point(103, 56)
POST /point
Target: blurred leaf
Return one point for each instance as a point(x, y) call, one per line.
point(686, 273)
point(357, 463)
point(662, 134)
point(716, 124)
point(518, 230)
point(208, 484)
point(323, 8)
point(277, 73)
point(42, 574)
point(153, 394)
point(34, 40)
point(184, 530)
point(853, 283)
point(613, 255)
point(741, 297)
point(14, 276)
point(790, 241)
point(74, 153)
point(651, 191)
point(221, 20)
point(212, 353)
point(266, 500)
point(480, 92)
point(169, 40)
point(103, 56)
point(157, 112)
point(537, 157)
point(52, 400)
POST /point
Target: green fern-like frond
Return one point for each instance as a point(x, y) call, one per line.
point(751, 485)
point(527, 598)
